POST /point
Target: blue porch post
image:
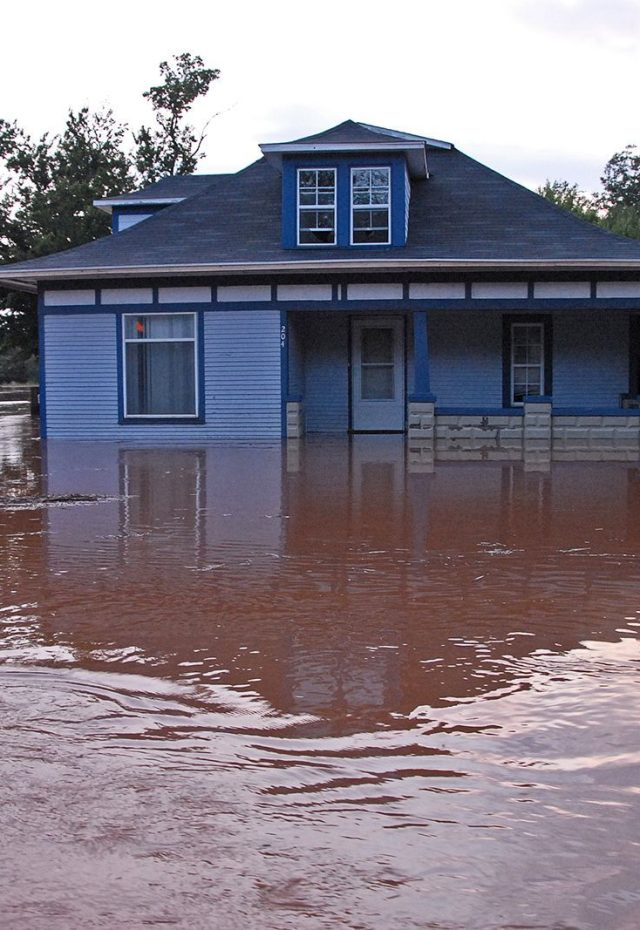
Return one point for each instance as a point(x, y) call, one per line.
point(421, 419)
point(292, 417)
point(421, 380)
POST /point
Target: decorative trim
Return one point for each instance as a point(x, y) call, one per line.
point(618, 289)
point(437, 291)
point(69, 298)
point(504, 290)
point(111, 296)
point(242, 292)
point(560, 289)
point(374, 291)
point(304, 292)
point(187, 295)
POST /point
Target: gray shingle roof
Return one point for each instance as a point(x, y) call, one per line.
point(351, 132)
point(463, 212)
point(177, 187)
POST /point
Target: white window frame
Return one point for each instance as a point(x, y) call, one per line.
point(308, 207)
point(192, 339)
point(353, 207)
point(513, 364)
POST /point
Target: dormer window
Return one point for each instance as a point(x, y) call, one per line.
point(316, 206)
point(370, 206)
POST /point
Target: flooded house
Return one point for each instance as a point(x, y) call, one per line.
point(360, 279)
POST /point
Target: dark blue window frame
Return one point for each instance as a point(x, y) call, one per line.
point(147, 310)
point(343, 165)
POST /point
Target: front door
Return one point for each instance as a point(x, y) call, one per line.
point(377, 375)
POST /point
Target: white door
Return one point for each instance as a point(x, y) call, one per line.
point(377, 374)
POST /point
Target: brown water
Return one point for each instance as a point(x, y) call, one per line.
point(253, 687)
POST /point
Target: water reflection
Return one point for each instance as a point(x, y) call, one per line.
point(320, 684)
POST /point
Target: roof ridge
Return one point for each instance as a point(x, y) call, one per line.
point(407, 136)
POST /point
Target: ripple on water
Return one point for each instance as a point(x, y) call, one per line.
point(245, 694)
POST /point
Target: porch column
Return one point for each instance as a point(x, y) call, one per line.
point(421, 405)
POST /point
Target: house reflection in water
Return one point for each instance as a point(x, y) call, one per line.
point(331, 577)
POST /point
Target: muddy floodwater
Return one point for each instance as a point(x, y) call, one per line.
point(314, 687)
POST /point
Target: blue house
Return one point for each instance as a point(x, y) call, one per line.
point(360, 279)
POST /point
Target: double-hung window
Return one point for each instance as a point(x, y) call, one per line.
point(527, 361)
point(316, 206)
point(370, 206)
point(160, 365)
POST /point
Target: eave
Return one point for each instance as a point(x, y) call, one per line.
point(415, 152)
point(108, 203)
point(26, 281)
point(15, 284)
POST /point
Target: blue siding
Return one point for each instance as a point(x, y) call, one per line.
point(590, 359)
point(81, 372)
point(465, 352)
point(326, 395)
point(407, 201)
point(242, 373)
point(241, 378)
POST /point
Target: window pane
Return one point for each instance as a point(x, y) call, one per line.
point(380, 196)
point(361, 178)
point(377, 345)
point(317, 236)
point(316, 219)
point(371, 235)
point(307, 178)
point(377, 382)
point(326, 179)
point(160, 378)
point(361, 219)
point(380, 177)
point(159, 326)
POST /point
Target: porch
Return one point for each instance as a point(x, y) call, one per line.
point(467, 377)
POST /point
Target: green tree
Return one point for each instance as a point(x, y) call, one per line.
point(621, 179)
point(173, 147)
point(620, 198)
point(48, 185)
point(570, 197)
point(46, 201)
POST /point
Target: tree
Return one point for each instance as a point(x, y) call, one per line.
point(617, 206)
point(172, 147)
point(621, 179)
point(620, 198)
point(46, 201)
point(570, 197)
point(48, 185)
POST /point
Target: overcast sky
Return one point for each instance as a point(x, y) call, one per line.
point(534, 88)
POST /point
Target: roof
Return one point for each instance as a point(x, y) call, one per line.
point(357, 137)
point(464, 215)
point(165, 191)
point(351, 132)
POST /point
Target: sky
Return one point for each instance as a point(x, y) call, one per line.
point(536, 89)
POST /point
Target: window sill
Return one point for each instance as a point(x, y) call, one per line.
point(161, 421)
